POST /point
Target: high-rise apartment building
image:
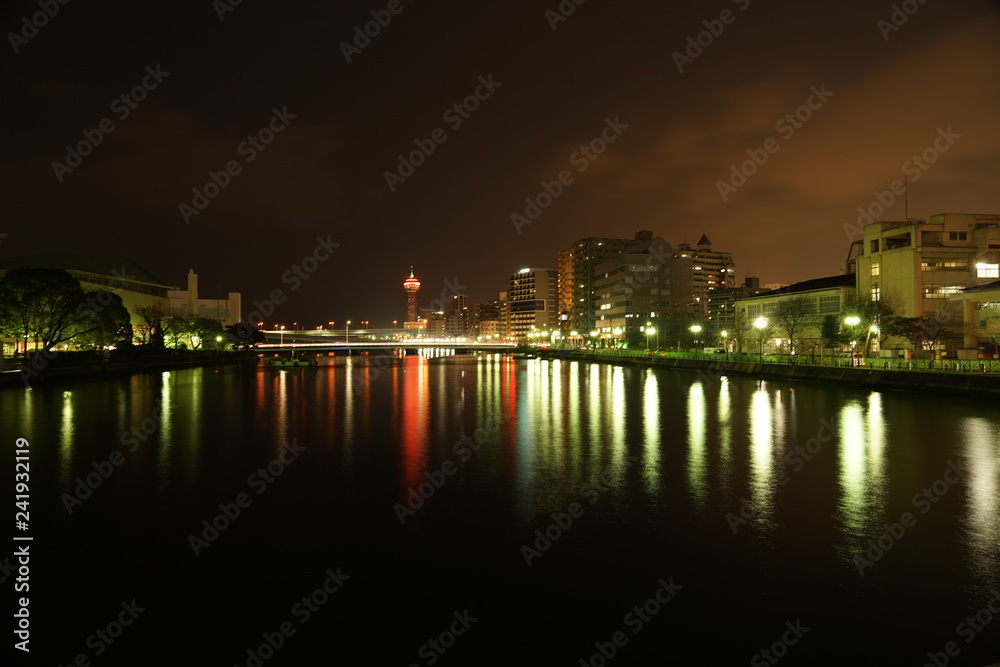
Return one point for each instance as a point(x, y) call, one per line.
point(578, 274)
point(532, 301)
point(712, 270)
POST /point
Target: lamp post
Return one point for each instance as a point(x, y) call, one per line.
point(347, 332)
point(394, 324)
point(761, 324)
point(724, 336)
point(853, 321)
point(617, 332)
point(651, 331)
point(281, 335)
point(695, 329)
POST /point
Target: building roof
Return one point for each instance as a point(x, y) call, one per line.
point(841, 280)
point(985, 287)
point(118, 267)
point(704, 240)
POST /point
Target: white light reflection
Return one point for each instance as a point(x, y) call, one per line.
point(696, 458)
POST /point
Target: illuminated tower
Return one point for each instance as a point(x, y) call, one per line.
point(412, 286)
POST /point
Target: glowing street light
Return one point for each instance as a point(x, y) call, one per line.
point(347, 332)
point(281, 335)
point(695, 329)
point(761, 324)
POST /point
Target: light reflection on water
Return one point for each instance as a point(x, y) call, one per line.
point(701, 443)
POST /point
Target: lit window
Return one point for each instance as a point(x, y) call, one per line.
point(876, 269)
point(876, 294)
point(988, 270)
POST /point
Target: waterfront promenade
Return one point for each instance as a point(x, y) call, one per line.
point(952, 375)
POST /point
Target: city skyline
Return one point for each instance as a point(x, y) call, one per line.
point(614, 126)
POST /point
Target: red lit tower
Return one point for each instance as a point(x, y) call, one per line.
point(412, 286)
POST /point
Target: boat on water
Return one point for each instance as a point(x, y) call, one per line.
point(287, 362)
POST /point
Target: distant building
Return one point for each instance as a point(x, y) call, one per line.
point(712, 270)
point(921, 268)
point(136, 286)
point(647, 286)
point(185, 303)
point(722, 304)
point(578, 273)
point(532, 301)
point(800, 306)
point(981, 320)
point(457, 316)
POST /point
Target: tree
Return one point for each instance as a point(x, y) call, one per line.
point(152, 332)
point(242, 335)
point(741, 328)
point(107, 311)
point(794, 315)
point(47, 306)
point(935, 328)
point(830, 332)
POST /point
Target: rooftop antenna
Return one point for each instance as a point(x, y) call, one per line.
point(906, 199)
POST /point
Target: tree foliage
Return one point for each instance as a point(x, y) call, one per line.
point(48, 307)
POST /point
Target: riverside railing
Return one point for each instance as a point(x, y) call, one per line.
point(867, 363)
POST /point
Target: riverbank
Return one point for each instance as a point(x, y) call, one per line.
point(714, 366)
point(15, 373)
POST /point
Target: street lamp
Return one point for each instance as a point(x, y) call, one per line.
point(394, 324)
point(724, 335)
point(347, 332)
point(853, 321)
point(618, 332)
point(651, 331)
point(696, 329)
point(761, 324)
point(281, 335)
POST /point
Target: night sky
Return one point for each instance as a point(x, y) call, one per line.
point(888, 93)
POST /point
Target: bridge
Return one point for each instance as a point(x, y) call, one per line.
point(325, 341)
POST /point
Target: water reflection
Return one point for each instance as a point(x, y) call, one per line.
point(651, 430)
point(982, 521)
point(696, 458)
point(861, 478)
point(761, 457)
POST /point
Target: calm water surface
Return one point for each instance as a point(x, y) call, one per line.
point(869, 521)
